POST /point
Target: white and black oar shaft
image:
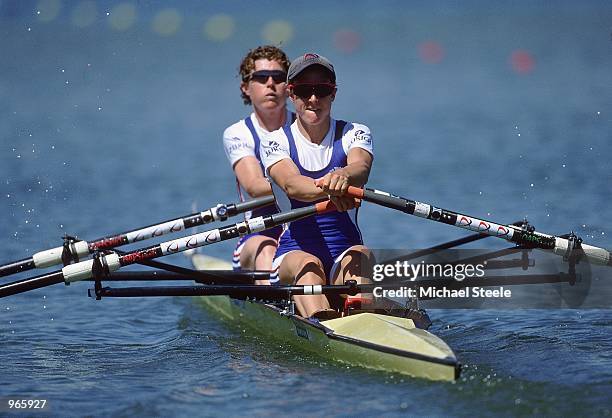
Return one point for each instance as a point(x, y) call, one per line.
point(109, 263)
point(527, 238)
point(78, 249)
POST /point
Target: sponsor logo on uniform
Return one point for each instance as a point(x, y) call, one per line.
point(271, 147)
point(237, 145)
point(362, 136)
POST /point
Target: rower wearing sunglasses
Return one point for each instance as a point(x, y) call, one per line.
point(314, 158)
point(263, 73)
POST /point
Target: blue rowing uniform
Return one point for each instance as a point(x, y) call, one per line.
point(325, 236)
point(237, 145)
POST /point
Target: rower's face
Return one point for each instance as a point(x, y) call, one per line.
point(266, 94)
point(312, 93)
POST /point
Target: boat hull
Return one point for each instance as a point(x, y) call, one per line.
point(369, 340)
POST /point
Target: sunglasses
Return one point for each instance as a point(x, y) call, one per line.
point(262, 76)
point(306, 90)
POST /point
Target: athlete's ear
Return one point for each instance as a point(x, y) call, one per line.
point(244, 87)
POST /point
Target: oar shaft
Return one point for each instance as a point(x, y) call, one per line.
point(79, 249)
point(527, 238)
point(17, 267)
point(219, 212)
point(224, 233)
point(109, 263)
point(32, 283)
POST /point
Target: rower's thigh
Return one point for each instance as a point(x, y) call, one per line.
point(258, 253)
point(300, 264)
point(356, 263)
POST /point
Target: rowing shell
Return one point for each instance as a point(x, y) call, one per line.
point(374, 341)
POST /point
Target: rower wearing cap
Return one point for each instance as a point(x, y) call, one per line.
point(263, 73)
point(328, 248)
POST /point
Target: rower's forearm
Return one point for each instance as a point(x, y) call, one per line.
point(357, 173)
point(302, 188)
point(258, 187)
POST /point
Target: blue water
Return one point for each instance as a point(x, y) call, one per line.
point(104, 130)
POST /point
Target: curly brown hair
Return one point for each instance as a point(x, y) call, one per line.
point(247, 65)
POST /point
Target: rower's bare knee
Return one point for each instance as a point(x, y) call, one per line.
point(301, 268)
point(356, 264)
point(258, 253)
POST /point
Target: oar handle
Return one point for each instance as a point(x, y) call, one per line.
point(381, 198)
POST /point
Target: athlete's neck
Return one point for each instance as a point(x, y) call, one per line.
point(314, 133)
point(273, 119)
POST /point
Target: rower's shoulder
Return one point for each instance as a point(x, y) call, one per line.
point(355, 126)
point(237, 128)
point(356, 133)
